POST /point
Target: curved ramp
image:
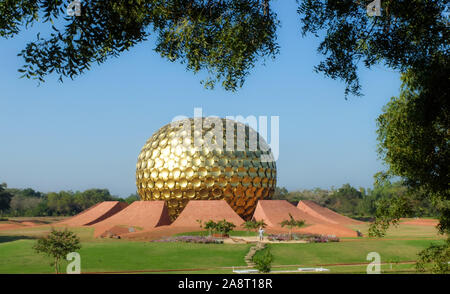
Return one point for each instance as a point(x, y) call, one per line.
point(273, 212)
point(95, 214)
point(206, 210)
point(325, 214)
point(141, 215)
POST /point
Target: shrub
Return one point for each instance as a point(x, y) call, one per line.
point(222, 226)
point(312, 238)
point(190, 239)
point(225, 227)
point(263, 260)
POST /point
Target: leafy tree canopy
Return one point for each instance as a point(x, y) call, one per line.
point(227, 37)
point(414, 135)
point(57, 245)
point(5, 197)
point(409, 34)
point(224, 37)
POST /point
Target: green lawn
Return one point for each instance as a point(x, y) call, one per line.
point(18, 256)
point(346, 252)
point(404, 231)
point(111, 255)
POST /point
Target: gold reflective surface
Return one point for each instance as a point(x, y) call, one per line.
point(171, 167)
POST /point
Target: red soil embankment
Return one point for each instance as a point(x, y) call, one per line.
point(325, 214)
point(206, 210)
point(203, 210)
point(139, 215)
point(94, 214)
point(273, 212)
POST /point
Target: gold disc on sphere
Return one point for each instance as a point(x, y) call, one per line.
point(206, 158)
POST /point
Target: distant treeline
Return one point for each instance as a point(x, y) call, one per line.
point(354, 202)
point(346, 200)
point(28, 202)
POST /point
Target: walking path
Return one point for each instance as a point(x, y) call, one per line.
point(249, 257)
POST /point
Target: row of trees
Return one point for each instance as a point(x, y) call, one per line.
point(358, 202)
point(346, 200)
point(28, 202)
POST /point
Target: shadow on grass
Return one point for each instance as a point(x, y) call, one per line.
point(5, 239)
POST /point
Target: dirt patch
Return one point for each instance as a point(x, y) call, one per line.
point(31, 224)
point(10, 226)
point(419, 222)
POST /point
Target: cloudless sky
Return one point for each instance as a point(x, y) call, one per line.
point(88, 132)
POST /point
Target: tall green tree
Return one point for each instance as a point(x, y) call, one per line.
point(57, 244)
point(412, 37)
point(5, 198)
point(133, 197)
point(344, 199)
point(415, 143)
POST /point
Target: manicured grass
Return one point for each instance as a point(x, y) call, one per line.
point(403, 231)
point(112, 255)
point(119, 255)
point(347, 269)
point(346, 252)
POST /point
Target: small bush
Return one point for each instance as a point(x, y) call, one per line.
point(57, 244)
point(263, 260)
point(311, 238)
point(190, 239)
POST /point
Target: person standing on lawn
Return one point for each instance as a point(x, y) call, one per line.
point(261, 233)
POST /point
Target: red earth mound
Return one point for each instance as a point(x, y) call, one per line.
point(273, 212)
point(94, 214)
point(420, 222)
point(325, 214)
point(141, 215)
point(206, 210)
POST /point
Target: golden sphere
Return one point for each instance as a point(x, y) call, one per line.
point(206, 158)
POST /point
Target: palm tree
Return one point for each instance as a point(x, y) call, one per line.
point(253, 225)
point(249, 225)
point(291, 223)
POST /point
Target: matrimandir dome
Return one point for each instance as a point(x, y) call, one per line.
point(206, 158)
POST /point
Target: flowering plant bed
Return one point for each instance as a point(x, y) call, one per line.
point(191, 239)
point(221, 236)
point(311, 238)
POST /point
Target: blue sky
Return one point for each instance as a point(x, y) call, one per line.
point(88, 132)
